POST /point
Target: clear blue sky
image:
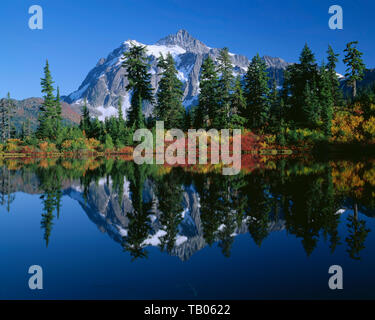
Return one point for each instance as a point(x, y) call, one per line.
point(78, 32)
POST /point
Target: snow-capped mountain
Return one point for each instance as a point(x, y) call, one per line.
point(107, 81)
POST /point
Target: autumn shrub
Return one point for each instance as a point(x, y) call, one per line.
point(126, 150)
point(46, 146)
point(11, 147)
point(347, 126)
point(75, 145)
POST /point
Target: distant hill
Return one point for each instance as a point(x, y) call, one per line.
point(29, 109)
point(368, 80)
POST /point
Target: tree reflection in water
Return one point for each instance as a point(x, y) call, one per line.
point(305, 198)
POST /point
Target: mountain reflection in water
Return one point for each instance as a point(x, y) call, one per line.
point(184, 209)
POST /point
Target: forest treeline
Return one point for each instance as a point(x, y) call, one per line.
point(309, 107)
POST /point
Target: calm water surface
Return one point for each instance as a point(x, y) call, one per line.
point(110, 229)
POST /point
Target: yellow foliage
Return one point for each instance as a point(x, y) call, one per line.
point(346, 127)
point(369, 127)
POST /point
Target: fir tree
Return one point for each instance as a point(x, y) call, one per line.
point(7, 110)
point(137, 68)
point(47, 110)
point(120, 124)
point(97, 129)
point(327, 100)
point(188, 119)
point(208, 97)
point(169, 193)
point(257, 94)
point(334, 81)
point(355, 66)
point(26, 129)
point(3, 120)
point(169, 107)
point(275, 108)
point(225, 69)
point(311, 107)
point(85, 123)
point(300, 92)
point(10, 114)
point(238, 105)
point(58, 111)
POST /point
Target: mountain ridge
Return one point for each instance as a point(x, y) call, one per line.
point(106, 83)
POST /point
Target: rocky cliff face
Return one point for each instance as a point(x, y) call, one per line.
point(107, 81)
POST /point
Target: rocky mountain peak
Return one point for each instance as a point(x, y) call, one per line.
point(275, 62)
point(106, 83)
point(183, 39)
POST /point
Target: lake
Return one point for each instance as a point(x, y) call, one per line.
point(110, 229)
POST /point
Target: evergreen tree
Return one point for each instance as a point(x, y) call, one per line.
point(311, 107)
point(26, 129)
point(188, 119)
point(120, 113)
point(7, 127)
point(208, 97)
point(225, 69)
point(334, 81)
point(169, 107)
point(326, 100)
point(275, 108)
point(58, 112)
point(85, 123)
point(139, 218)
point(137, 68)
point(47, 110)
point(238, 105)
point(120, 124)
point(300, 92)
point(169, 193)
point(357, 234)
point(257, 94)
point(97, 129)
point(10, 113)
point(3, 120)
point(355, 66)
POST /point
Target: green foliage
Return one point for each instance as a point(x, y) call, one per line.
point(50, 111)
point(221, 116)
point(7, 128)
point(208, 97)
point(137, 67)
point(108, 142)
point(303, 136)
point(169, 107)
point(336, 92)
point(355, 66)
point(257, 94)
point(303, 110)
point(238, 105)
point(326, 100)
point(300, 92)
point(85, 123)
